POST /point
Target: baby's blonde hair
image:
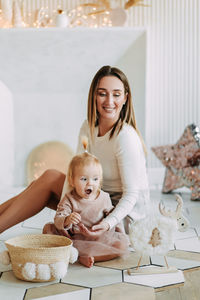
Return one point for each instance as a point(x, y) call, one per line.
point(82, 160)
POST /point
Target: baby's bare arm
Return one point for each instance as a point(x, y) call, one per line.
point(73, 218)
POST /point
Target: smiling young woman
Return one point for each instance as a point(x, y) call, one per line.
point(110, 99)
point(114, 139)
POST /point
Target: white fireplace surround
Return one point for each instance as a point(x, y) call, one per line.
point(48, 72)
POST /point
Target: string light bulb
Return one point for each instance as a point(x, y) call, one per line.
point(98, 14)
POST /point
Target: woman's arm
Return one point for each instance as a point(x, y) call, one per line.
point(131, 164)
point(132, 167)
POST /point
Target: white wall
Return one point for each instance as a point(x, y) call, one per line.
point(173, 69)
point(49, 72)
point(45, 117)
point(136, 74)
point(6, 136)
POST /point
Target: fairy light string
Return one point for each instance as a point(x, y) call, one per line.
point(42, 13)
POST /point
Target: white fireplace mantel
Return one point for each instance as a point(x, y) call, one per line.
point(58, 60)
point(49, 70)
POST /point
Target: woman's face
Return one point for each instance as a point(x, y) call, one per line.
point(110, 98)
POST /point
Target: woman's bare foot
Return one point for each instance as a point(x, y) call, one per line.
point(87, 261)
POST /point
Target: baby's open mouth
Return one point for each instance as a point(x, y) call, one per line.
point(88, 191)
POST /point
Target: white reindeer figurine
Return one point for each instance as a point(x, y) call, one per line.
point(154, 235)
point(182, 222)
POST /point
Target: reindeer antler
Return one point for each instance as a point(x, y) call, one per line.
point(182, 221)
point(169, 213)
point(179, 206)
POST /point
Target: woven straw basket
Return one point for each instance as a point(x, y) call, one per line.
point(38, 249)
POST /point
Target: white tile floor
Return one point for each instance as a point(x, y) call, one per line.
point(189, 244)
point(181, 264)
point(155, 280)
point(93, 277)
point(83, 295)
point(85, 280)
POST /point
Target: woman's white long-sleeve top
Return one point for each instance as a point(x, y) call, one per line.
point(124, 169)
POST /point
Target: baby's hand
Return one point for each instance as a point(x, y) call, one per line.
point(84, 230)
point(73, 218)
point(95, 231)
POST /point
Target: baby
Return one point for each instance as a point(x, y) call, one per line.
point(84, 206)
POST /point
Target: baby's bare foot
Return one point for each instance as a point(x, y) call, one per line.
point(87, 261)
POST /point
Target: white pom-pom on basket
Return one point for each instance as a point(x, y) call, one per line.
point(5, 258)
point(73, 255)
point(59, 269)
point(29, 271)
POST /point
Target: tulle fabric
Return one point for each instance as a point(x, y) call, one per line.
point(109, 243)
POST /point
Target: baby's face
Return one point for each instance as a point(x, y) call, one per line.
point(87, 180)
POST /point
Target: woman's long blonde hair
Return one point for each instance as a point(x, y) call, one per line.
point(127, 114)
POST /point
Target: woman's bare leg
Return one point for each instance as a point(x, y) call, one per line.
point(6, 204)
point(45, 191)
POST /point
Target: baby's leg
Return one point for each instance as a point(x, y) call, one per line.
point(87, 261)
point(96, 251)
point(121, 246)
point(117, 249)
point(50, 228)
point(93, 253)
point(105, 257)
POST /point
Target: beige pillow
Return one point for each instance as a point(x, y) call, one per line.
point(49, 155)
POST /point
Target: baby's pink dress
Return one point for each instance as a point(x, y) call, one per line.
point(92, 212)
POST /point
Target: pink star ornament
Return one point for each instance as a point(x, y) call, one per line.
point(182, 162)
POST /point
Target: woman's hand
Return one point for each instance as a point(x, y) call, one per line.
point(95, 231)
point(85, 231)
point(73, 218)
point(101, 227)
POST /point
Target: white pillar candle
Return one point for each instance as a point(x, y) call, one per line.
point(61, 19)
